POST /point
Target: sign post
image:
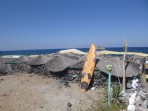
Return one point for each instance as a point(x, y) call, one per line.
point(109, 68)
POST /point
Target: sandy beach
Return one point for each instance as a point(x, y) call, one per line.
point(30, 92)
point(51, 82)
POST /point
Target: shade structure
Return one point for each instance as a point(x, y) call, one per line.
point(60, 62)
point(5, 68)
point(7, 60)
point(22, 59)
point(39, 60)
point(132, 69)
point(80, 62)
point(72, 55)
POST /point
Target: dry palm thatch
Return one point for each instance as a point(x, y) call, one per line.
point(72, 55)
point(132, 69)
point(7, 60)
point(5, 69)
point(80, 62)
point(39, 60)
point(60, 62)
point(22, 59)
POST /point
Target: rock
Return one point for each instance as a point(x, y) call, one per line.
point(128, 85)
point(69, 104)
point(100, 82)
point(93, 88)
point(103, 79)
point(62, 81)
point(144, 90)
point(59, 87)
point(66, 84)
point(144, 105)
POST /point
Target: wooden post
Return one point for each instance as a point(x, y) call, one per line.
point(0, 57)
point(124, 73)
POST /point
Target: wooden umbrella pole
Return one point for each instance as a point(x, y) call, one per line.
point(124, 73)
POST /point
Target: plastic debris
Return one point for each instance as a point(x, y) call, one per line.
point(93, 88)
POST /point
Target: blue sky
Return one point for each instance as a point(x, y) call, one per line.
point(47, 24)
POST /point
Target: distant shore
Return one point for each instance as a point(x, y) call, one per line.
point(121, 53)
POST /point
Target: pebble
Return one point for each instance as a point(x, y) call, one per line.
point(59, 87)
point(144, 90)
point(93, 88)
point(69, 104)
point(128, 85)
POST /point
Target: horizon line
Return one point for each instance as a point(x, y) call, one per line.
point(68, 48)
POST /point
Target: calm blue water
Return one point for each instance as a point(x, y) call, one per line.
point(48, 51)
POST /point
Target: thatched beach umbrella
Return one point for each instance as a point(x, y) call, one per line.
point(5, 69)
point(132, 69)
point(22, 59)
point(60, 63)
point(72, 55)
point(39, 60)
point(7, 60)
point(80, 62)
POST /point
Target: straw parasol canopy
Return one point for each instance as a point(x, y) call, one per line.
point(60, 62)
point(80, 62)
point(22, 59)
point(72, 55)
point(39, 60)
point(5, 69)
point(132, 69)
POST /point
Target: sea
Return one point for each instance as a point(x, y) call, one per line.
point(49, 51)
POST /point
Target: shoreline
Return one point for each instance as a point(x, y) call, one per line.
point(61, 51)
point(76, 51)
point(50, 51)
